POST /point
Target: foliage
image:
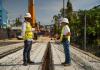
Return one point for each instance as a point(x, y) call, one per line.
point(77, 20)
point(18, 22)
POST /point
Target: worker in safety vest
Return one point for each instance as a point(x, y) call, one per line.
point(65, 39)
point(27, 33)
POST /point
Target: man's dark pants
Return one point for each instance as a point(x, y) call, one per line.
point(26, 52)
point(66, 45)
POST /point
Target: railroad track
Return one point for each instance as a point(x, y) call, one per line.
point(81, 58)
point(10, 51)
point(15, 60)
point(43, 53)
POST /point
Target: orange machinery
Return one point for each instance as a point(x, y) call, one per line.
point(31, 10)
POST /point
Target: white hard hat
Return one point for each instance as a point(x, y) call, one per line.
point(27, 15)
point(64, 20)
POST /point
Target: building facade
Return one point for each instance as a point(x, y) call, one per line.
point(3, 16)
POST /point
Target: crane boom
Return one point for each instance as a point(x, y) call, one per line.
point(31, 10)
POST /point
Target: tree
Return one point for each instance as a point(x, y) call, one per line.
point(76, 19)
point(69, 10)
point(18, 22)
point(55, 18)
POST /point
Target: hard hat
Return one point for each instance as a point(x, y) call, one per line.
point(27, 15)
point(64, 20)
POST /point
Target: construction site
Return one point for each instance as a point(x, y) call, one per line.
point(47, 50)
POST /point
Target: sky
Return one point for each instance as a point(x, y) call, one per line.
point(45, 9)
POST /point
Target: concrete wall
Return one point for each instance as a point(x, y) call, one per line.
point(3, 34)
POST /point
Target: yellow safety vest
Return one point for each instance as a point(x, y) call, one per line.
point(28, 32)
point(61, 37)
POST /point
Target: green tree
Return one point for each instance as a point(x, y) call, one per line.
point(69, 11)
point(18, 22)
point(55, 18)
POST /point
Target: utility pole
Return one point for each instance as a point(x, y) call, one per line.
point(63, 8)
point(85, 32)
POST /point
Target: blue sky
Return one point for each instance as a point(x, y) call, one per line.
point(45, 9)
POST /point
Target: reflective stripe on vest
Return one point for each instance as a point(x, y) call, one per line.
point(28, 32)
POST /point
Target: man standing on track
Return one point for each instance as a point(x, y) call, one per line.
point(27, 34)
point(65, 39)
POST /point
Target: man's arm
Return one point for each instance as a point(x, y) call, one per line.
point(33, 29)
point(61, 36)
point(68, 34)
point(23, 29)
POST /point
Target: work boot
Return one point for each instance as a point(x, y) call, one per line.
point(30, 62)
point(25, 64)
point(65, 64)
